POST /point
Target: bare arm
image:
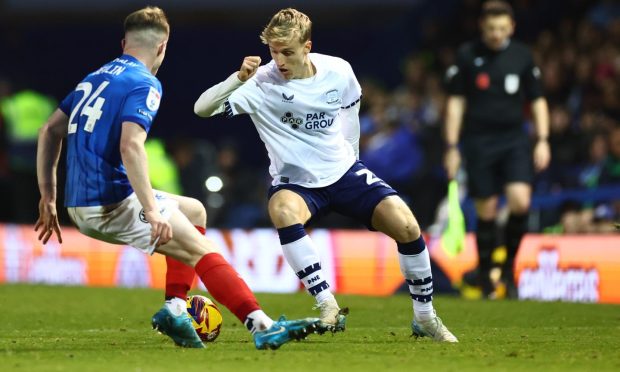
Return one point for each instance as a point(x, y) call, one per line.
point(455, 108)
point(542, 152)
point(351, 127)
point(134, 158)
point(48, 154)
point(210, 102)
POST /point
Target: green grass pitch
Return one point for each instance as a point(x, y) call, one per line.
point(48, 328)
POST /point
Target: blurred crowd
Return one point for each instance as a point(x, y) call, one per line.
point(580, 62)
point(401, 131)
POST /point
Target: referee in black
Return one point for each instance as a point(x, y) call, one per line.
point(488, 89)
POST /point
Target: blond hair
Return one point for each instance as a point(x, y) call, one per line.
point(286, 25)
point(148, 25)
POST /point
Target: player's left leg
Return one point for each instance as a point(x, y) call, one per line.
point(518, 176)
point(179, 276)
point(394, 218)
point(228, 288)
point(518, 195)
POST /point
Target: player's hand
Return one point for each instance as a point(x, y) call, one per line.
point(452, 161)
point(161, 230)
point(542, 155)
point(48, 221)
point(248, 68)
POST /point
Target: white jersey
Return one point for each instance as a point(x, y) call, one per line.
point(298, 120)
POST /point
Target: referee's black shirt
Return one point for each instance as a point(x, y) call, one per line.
point(495, 85)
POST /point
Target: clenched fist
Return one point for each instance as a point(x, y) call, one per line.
point(248, 67)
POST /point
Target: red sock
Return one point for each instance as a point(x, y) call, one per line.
point(225, 285)
point(179, 276)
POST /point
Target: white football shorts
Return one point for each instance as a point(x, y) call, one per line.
point(122, 222)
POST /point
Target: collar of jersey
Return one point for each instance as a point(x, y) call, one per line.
point(134, 59)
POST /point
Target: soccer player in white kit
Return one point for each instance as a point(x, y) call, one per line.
point(305, 108)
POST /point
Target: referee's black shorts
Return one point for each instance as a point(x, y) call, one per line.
point(494, 159)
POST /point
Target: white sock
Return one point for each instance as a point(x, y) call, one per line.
point(257, 321)
point(177, 306)
point(417, 271)
point(302, 256)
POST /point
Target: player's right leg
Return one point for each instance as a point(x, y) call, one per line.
point(228, 288)
point(289, 212)
point(486, 241)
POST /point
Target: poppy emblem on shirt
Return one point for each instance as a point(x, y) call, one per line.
point(483, 81)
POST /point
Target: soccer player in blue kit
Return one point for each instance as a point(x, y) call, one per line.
point(305, 108)
point(108, 193)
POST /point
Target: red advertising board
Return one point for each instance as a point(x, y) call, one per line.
point(548, 267)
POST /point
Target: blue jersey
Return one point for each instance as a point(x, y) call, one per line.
point(122, 90)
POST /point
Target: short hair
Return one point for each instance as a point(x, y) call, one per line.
point(286, 25)
point(494, 8)
point(150, 18)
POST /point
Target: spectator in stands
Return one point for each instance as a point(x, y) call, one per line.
point(23, 113)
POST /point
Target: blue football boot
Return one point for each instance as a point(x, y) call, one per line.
point(284, 331)
point(178, 328)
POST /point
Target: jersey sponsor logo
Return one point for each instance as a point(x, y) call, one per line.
point(288, 99)
point(511, 83)
point(317, 120)
point(153, 99)
point(483, 81)
point(289, 118)
point(313, 120)
point(332, 97)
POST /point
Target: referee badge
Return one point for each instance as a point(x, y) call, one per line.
point(511, 83)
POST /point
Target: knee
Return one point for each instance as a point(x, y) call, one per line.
point(486, 209)
point(197, 214)
point(406, 228)
point(409, 232)
point(192, 250)
point(520, 208)
point(283, 214)
point(394, 218)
